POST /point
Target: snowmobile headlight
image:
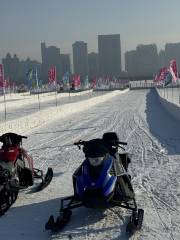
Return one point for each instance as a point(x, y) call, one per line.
point(95, 161)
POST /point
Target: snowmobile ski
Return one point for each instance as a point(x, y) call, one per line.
point(45, 180)
point(60, 222)
point(135, 222)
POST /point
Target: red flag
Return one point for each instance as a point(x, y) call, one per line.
point(52, 75)
point(2, 82)
point(76, 81)
point(173, 69)
point(94, 82)
point(162, 74)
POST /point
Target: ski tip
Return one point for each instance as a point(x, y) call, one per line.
point(50, 223)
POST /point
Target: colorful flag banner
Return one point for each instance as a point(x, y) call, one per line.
point(36, 79)
point(65, 78)
point(1, 76)
point(76, 82)
point(29, 76)
point(173, 70)
point(94, 83)
point(168, 78)
point(86, 82)
point(161, 75)
point(52, 75)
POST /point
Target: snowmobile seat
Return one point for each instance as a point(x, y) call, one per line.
point(111, 142)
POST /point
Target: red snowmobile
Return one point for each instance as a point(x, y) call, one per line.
point(17, 171)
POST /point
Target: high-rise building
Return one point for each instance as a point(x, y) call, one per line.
point(93, 65)
point(65, 64)
point(161, 59)
point(16, 70)
point(50, 57)
point(147, 58)
point(172, 51)
point(80, 58)
point(142, 62)
point(109, 47)
point(130, 63)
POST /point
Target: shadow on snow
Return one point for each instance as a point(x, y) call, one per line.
point(28, 221)
point(162, 124)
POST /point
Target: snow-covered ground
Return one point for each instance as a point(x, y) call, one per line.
point(24, 121)
point(19, 105)
point(153, 137)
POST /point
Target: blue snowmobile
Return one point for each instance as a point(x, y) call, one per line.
point(101, 181)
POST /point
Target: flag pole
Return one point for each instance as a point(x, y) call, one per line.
point(179, 90)
point(56, 93)
point(55, 86)
point(37, 86)
point(5, 112)
point(3, 85)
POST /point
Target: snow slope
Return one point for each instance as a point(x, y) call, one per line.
point(29, 121)
point(153, 137)
point(19, 105)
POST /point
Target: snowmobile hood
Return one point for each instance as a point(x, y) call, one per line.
point(92, 190)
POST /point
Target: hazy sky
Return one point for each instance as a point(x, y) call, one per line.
point(26, 23)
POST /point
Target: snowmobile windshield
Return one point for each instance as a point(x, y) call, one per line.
point(95, 161)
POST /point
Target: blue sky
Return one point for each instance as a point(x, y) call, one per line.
point(26, 23)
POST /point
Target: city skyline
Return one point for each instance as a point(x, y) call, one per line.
point(24, 25)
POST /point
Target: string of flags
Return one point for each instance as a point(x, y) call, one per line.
point(167, 75)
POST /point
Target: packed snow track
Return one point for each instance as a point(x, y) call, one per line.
point(153, 138)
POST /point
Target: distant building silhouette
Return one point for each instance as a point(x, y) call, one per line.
point(142, 62)
point(161, 59)
point(65, 64)
point(80, 58)
point(130, 63)
point(50, 57)
point(172, 51)
point(12, 69)
point(16, 70)
point(93, 65)
point(109, 47)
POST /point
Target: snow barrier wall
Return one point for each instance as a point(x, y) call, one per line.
point(172, 108)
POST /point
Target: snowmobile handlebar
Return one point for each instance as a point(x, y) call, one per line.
point(122, 143)
point(23, 136)
point(11, 138)
point(82, 143)
point(79, 143)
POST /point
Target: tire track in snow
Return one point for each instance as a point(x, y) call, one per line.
point(155, 205)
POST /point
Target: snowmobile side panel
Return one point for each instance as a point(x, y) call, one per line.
point(9, 154)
